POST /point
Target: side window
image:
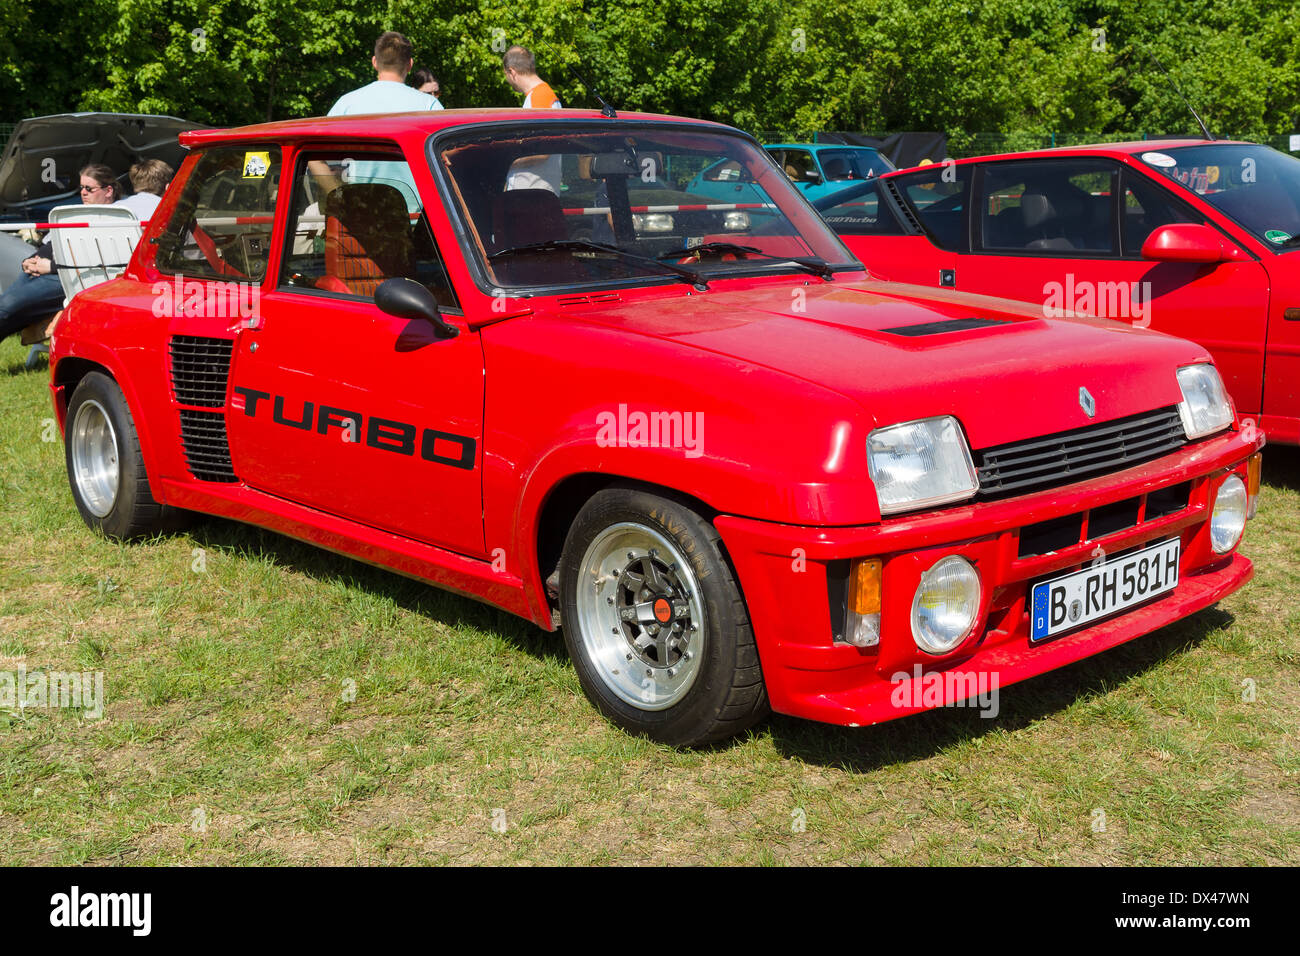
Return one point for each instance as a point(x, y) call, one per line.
point(1049, 207)
point(863, 215)
point(798, 165)
point(729, 171)
point(1146, 208)
point(221, 226)
point(355, 219)
point(938, 199)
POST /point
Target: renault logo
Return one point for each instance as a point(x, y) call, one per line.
point(1087, 403)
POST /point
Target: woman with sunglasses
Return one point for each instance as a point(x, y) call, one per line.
point(38, 293)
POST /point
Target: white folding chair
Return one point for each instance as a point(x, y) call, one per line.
point(91, 254)
point(100, 251)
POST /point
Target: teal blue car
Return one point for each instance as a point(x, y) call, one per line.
point(817, 169)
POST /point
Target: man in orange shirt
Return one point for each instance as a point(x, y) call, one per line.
point(521, 73)
point(531, 172)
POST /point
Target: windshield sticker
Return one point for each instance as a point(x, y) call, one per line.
point(1164, 160)
point(1277, 235)
point(256, 165)
point(1194, 179)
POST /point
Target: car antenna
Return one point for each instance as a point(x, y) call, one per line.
point(1199, 122)
point(605, 108)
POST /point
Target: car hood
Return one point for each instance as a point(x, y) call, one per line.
point(30, 181)
point(1009, 375)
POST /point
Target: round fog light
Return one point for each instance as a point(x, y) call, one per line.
point(946, 605)
point(1229, 518)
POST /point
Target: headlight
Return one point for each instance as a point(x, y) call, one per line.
point(735, 220)
point(920, 463)
point(946, 606)
point(1205, 408)
point(652, 222)
point(1228, 520)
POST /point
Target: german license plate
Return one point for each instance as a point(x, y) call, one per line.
point(1081, 597)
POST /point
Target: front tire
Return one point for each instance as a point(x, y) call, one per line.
point(655, 622)
point(105, 467)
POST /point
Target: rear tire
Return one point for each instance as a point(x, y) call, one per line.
point(105, 467)
point(655, 622)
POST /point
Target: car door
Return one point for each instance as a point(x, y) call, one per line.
point(340, 406)
point(877, 233)
point(920, 238)
point(1282, 360)
point(1067, 234)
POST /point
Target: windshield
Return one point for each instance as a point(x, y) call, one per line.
point(1255, 186)
point(553, 204)
point(850, 164)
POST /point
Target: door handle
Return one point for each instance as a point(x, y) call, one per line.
point(1291, 315)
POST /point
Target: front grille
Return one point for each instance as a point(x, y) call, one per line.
point(1057, 534)
point(207, 452)
point(200, 367)
point(1065, 457)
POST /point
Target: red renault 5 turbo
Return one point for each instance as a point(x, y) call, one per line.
point(1193, 237)
point(736, 471)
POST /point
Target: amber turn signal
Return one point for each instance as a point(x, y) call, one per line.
point(862, 628)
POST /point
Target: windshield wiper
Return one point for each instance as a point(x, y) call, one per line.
point(688, 275)
point(813, 264)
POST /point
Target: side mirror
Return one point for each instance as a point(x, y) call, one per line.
point(407, 299)
point(1185, 242)
point(812, 176)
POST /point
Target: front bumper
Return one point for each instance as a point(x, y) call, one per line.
point(785, 573)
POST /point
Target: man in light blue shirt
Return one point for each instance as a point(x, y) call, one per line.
point(389, 93)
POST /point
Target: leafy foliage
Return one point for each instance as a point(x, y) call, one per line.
point(1020, 68)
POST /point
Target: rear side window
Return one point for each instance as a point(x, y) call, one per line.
point(1051, 208)
point(938, 198)
point(862, 215)
point(221, 226)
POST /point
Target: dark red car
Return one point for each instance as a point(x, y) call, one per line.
point(1193, 237)
point(734, 469)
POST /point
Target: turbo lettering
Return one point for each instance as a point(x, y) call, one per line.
point(439, 447)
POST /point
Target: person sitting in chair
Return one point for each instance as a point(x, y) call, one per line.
point(38, 293)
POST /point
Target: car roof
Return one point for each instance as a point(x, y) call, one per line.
point(395, 124)
point(818, 147)
point(1112, 150)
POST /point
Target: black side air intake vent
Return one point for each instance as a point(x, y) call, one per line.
point(200, 368)
point(902, 205)
point(207, 451)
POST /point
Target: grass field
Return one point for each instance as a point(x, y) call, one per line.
point(271, 703)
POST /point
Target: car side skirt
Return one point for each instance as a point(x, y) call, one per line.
point(469, 577)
